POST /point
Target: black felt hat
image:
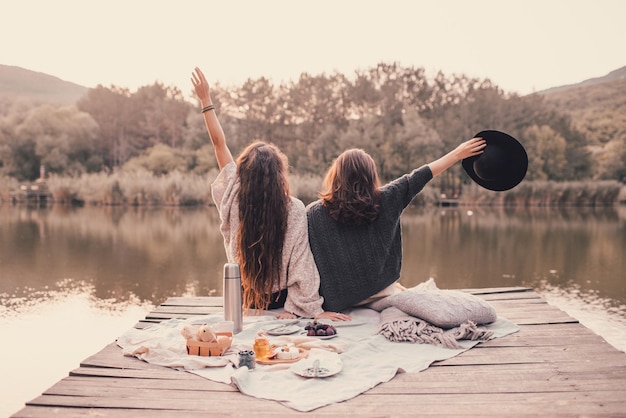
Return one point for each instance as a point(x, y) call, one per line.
point(501, 166)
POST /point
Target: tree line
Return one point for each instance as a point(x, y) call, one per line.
point(399, 115)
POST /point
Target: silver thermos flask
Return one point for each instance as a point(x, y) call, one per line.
point(232, 296)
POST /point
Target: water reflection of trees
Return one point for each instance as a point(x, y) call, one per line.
point(150, 253)
point(154, 253)
point(566, 247)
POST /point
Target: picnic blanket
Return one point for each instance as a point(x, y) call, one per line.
point(366, 357)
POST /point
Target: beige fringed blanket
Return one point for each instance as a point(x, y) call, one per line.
point(398, 326)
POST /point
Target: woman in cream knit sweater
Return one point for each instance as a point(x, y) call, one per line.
point(264, 228)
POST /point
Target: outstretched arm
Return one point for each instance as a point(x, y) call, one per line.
point(467, 149)
point(201, 86)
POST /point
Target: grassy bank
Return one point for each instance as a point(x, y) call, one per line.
point(143, 188)
point(550, 193)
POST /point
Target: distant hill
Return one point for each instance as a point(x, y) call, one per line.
point(20, 83)
point(597, 106)
point(613, 75)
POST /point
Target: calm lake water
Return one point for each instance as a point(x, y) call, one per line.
point(73, 279)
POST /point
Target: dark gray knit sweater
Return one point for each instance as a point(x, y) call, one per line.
point(358, 261)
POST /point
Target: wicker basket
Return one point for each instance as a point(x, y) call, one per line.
point(201, 348)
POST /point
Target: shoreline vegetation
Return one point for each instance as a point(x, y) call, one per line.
point(149, 148)
point(143, 188)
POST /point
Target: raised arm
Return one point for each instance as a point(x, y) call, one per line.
point(467, 149)
point(201, 86)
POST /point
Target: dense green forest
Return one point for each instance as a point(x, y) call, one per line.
point(398, 114)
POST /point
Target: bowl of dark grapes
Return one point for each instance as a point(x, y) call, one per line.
point(320, 330)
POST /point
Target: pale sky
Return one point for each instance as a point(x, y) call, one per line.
point(521, 45)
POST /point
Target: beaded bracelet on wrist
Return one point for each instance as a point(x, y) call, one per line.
point(207, 108)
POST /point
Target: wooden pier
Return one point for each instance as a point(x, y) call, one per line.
point(553, 366)
point(35, 193)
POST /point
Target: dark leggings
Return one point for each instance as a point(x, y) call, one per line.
point(277, 300)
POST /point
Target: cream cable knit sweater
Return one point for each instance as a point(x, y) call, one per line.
point(299, 274)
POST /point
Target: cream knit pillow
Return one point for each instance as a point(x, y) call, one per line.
point(442, 308)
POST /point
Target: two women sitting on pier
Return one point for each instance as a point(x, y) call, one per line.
point(345, 249)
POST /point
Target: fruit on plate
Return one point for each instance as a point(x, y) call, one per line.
point(317, 329)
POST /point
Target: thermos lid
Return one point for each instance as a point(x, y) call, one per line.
point(231, 271)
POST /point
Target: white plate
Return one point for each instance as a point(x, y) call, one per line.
point(304, 368)
point(338, 324)
point(320, 337)
point(285, 330)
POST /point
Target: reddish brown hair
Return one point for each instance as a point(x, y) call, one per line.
point(350, 190)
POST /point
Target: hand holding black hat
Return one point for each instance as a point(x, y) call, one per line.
point(502, 165)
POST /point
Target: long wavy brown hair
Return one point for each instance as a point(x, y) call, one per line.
point(263, 209)
point(351, 188)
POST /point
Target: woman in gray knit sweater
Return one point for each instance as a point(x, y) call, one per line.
point(264, 228)
point(354, 228)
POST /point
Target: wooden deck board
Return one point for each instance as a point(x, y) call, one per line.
point(552, 366)
point(222, 404)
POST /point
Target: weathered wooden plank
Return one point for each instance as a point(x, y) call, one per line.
point(521, 306)
point(530, 319)
point(536, 371)
point(564, 331)
point(499, 381)
point(229, 402)
point(499, 290)
point(529, 382)
point(529, 295)
point(165, 316)
point(506, 307)
point(525, 340)
point(545, 354)
point(73, 412)
point(89, 386)
point(189, 310)
point(233, 403)
point(217, 301)
point(161, 373)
